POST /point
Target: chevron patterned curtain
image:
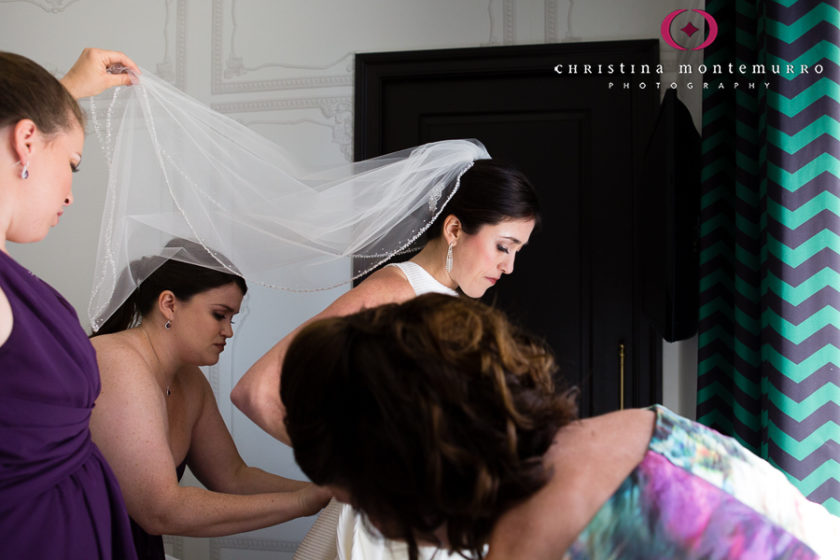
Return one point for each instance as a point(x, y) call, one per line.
point(769, 342)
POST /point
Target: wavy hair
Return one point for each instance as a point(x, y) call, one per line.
point(433, 412)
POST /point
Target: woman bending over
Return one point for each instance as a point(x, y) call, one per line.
point(157, 413)
point(443, 424)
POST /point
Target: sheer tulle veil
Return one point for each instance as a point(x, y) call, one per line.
point(179, 170)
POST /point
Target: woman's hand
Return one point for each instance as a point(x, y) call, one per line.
point(89, 75)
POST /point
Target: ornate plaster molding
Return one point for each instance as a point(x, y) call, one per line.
point(173, 66)
point(243, 543)
point(337, 110)
point(49, 6)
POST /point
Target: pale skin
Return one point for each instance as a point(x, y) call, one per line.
point(29, 207)
point(145, 434)
point(479, 260)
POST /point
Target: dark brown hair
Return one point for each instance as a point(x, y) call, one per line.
point(28, 91)
point(430, 412)
point(490, 192)
point(160, 273)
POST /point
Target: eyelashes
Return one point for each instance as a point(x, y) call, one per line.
point(220, 317)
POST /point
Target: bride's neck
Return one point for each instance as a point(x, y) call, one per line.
point(433, 260)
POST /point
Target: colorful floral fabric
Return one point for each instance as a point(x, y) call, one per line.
point(700, 495)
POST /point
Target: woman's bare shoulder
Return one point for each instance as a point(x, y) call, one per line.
point(119, 342)
point(389, 284)
point(108, 342)
point(119, 354)
point(386, 285)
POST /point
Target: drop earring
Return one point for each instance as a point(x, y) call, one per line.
point(448, 265)
point(167, 325)
point(24, 173)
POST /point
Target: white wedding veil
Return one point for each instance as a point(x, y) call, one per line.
point(179, 170)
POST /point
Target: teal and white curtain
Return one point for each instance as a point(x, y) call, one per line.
point(769, 337)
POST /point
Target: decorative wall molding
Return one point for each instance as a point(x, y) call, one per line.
point(49, 6)
point(509, 22)
point(243, 543)
point(280, 104)
point(339, 111)
point(224, 68)
point(558, 28)
point(226, 64)
point(176, 544)
point(551, 21)
point(212, 373)
point(173, 67)
point(494, 38)
point(568, 35)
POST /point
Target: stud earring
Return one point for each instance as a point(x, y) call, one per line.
point(448, 265)
point(167, 325)
point(24, 173)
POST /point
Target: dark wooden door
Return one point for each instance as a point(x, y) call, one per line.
point(580, 142)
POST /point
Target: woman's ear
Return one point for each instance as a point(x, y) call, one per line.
point(451, 229)
point(24, 133)
point(167, 303)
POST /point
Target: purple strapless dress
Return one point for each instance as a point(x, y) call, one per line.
point(58, 496)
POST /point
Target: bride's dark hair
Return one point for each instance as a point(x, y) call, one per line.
point(490, 192)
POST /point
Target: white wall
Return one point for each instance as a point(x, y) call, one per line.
point(285, 69)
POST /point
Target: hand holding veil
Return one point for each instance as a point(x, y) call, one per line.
point(178, 169)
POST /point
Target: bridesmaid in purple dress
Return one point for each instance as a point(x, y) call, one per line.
point(58, 496)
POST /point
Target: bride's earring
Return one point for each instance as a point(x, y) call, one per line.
point(24, 173)
point(448, 265)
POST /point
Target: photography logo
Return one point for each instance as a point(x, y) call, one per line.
point(683, 30)
point(686, 31)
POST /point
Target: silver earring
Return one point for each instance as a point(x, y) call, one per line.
point(24, 173)
point(167, 325)
point(449, 259)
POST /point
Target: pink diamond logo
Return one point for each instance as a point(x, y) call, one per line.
point(689, 29)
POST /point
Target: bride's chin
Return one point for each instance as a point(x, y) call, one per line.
point(474, 294)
